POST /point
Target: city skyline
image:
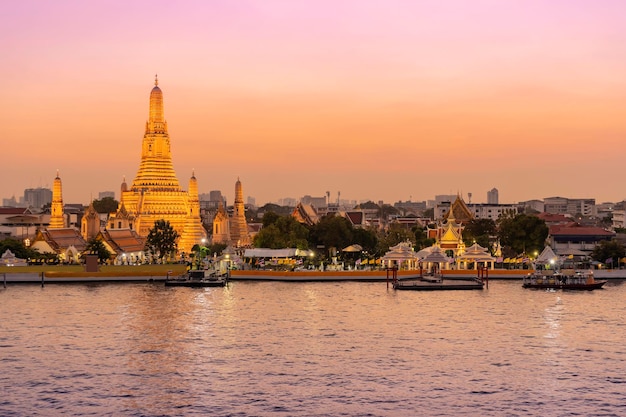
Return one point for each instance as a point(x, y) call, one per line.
point(389, 101)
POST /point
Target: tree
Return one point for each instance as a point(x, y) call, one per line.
point(421, 238)
point(332, 232)
point(396, 233)
point(96, 247)
point(480, 231)
point(608, 249)
point(367, 238)
point(522, 233)
point(106, 205)
point(161, 240)
point(429, 213)
point(281, 232)
point(18, 249)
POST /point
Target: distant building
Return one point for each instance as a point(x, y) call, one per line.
point(492, 211)
point(492, 196)
point(287, 202)
point(573, 206)
point(415, 207)
point(10, 202)
point(565, 239)
point(37, 197)
point(317, 202)
point(619, 219)
point(535, 205)
point(105, 194)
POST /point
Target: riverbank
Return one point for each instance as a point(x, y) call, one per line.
point(141, 273)
point(77, 273)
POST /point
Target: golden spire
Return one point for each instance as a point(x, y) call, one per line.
point(57, 220)
point(156, 79)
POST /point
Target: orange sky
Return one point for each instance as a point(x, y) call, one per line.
point(377, 100)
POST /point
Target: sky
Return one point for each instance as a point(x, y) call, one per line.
point(370, 100)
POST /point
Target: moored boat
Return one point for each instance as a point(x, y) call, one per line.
point(437, 283)
point(566, 280)
point(196, 278)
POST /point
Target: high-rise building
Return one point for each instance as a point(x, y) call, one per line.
point(492, 196)
point(37, 197)
point(155, 193)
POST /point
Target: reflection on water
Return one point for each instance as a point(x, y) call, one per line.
point(310, 349)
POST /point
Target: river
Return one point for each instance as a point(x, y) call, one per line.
point(310, 349)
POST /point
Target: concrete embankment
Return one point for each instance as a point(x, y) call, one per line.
point(82, 277)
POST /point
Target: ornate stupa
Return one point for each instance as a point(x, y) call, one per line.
point(57, 219)
point(239, 226)
point(155, 194)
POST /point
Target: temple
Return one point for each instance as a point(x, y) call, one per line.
point(57, 219)
point(232, 230)
point(448, 233)
point(155, 193)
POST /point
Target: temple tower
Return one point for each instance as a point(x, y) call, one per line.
point(221, 225)
point(155, 193)
point(239, 235)
point(90, 223)
point(57, 219)
point(194, 232)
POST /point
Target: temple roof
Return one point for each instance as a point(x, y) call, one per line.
point(61, 239)
point(459, 211)
point(122, 240)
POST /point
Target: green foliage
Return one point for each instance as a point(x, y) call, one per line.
point(216, 248)
point(396, 233)
point(161, 240)
point(481, 231)
point(370, 205)
point(106, 205)
point(275, 208)
point(18, 249)
point(367, 238)
point(387, 210)
point(606, 249)
point(96, 246)
point(281, 232)
point(270, 217)
point(421, 238)
point(332, 232)
point(522, 233)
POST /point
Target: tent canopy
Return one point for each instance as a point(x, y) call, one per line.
point(546, 256)
point(353, 248)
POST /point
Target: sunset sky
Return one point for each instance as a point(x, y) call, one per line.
point(378, 100)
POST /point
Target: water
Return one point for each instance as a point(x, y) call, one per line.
point(311, 349)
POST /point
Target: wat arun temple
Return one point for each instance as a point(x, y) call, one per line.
point(155, 193)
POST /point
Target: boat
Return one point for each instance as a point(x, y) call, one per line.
point(197, 278)
point(437, 283)
point(563, 280)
